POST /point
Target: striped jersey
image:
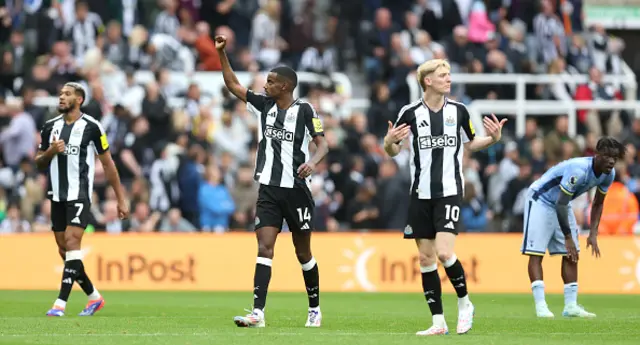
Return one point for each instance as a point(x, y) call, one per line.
point(283, 140)
point(71, 173)
point(437, 140)
point(573, 177)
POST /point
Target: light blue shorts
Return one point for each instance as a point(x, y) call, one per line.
point(542, 230)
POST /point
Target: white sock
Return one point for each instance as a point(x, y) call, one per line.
point(570, 294)
point(537, 287)
point(60, 304)
point(438, 320)
point(464, 302)
point(94, 295)
point(259, 312)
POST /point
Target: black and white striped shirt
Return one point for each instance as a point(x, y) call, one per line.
point(545, 29)
point(283, 140)
point(437, 140)
point(166, 23)
point(83, 34)
point(71, 173)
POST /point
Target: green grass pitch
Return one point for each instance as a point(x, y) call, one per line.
point(349, 318)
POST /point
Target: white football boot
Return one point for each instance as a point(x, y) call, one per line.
point(314, 317)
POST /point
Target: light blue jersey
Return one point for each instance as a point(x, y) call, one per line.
point(542, 231)
point(573, 177)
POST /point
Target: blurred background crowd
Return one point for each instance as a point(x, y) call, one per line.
point(190, 167)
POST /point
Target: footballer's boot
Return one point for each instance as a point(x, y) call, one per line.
point(314, 318)
point(253, 319)
point(465, 318)
point(55, 311)
point(575, 310)
point(542, 310)
point(435, 330)
point(92, 307)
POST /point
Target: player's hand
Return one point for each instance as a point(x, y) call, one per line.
point(493, 126)
point(397, 134)
point(306, 169)
point(592, 241)
point(572, 252)
point(221, 42)
point(57, 146)
point(123, 210)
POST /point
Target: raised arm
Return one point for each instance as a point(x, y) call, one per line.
point(230, 79)
point(477, 143)
point(398, 132)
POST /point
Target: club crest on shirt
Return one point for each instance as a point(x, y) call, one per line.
point(450, 121)
point(291, 117)
point(573, 180)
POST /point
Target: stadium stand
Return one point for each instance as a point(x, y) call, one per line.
point(150, 72)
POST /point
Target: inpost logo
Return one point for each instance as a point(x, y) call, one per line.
point(633, 269)
point(358, 269)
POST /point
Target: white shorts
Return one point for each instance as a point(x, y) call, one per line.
point(542, 230)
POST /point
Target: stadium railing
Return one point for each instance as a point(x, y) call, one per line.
point(520, 107)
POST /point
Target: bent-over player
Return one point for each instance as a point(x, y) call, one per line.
point(550, 224)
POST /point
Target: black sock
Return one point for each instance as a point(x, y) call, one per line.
point(312, 282)
point(85, 283)
point(456, 276)
point(261, 280)
point(72, 269)
point(432, 289)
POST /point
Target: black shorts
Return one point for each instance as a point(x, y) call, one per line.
point(427, 217)
point(295, 205)
point(70, 213)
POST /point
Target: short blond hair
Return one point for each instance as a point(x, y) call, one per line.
point(429, 67)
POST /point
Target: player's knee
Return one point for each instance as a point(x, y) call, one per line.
point(444, 255)
point(71, 241)
point(265, 250)
point(304, 256)
point(427, 259)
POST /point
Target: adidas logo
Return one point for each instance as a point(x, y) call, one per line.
point(305, 226)
point(75, 220)
point(67, 281)
point(431, 300)
point(459, 285)
point(450, 226)
point(423, 124)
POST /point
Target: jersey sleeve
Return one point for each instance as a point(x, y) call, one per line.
point(467, 132)
point(571, 179)
point(99, 139)
point(312, 120)
point(604, 186)
point(45, 133)
point(255, 102)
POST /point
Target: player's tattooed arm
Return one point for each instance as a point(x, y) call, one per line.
point(562, 211)
point(230, 79)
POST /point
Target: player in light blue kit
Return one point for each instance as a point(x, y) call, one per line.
point(550, 224)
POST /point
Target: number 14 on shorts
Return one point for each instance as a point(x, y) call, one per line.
point(304, 216)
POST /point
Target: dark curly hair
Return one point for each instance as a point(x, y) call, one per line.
point(608, 146)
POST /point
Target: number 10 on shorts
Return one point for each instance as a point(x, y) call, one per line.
point(452, 212)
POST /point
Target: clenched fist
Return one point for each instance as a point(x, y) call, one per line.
point(221, 42)
point(57, 146)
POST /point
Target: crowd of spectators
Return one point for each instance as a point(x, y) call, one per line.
point(190, 167)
